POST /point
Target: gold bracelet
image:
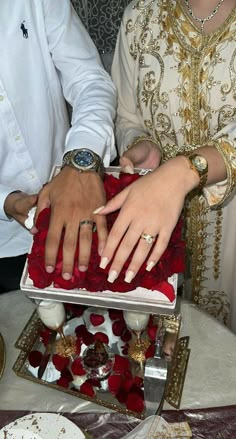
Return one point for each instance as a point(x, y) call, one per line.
point(142, 139)
point(230, 183)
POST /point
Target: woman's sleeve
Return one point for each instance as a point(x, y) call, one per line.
point(225, 143)
point(128, 124)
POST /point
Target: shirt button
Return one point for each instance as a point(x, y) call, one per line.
point(1, 98)
point(17, 138)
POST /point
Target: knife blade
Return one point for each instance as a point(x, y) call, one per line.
point(47, 354)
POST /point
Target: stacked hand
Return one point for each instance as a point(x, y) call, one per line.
point(149, 211)
point(72, 197)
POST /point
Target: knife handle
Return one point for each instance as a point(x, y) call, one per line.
point(160, 336)
point(43, 365)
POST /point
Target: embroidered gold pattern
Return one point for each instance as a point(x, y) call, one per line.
point(179, 115)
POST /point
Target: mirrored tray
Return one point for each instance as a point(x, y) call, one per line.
point(31, 340)
point(2, 355)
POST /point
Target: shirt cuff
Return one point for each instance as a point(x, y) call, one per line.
point(4, 192)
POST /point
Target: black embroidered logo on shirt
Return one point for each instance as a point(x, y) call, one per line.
point(24, 30)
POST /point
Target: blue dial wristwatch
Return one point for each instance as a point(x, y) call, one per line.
point(84, 160)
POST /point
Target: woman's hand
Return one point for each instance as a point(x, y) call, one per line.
point(144, 155)
point(152, 206)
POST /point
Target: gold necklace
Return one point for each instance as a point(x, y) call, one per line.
point(203, 20)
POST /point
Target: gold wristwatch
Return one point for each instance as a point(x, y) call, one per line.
point(199, 165)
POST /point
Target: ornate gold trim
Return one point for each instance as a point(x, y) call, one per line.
point(175, 383)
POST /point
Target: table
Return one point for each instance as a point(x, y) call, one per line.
point(210, 379)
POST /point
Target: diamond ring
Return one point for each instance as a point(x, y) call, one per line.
point(148, 238)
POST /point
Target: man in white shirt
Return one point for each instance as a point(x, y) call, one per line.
point(47, 57)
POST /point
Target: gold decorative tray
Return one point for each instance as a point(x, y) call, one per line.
point(2, 355)
point(30, 340)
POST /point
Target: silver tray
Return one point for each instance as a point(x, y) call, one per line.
point(29, 340)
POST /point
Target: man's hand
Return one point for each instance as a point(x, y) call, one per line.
point(143, 155)
point(72, 197)
point(17, 206)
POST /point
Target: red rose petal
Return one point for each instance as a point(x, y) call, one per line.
point(167, 289)
point(121, 364)
point(150, 351)
point(77, 367)
point(35, 358)
point(118, 327)
point(44, 336)
point(152, 331)
point(65, 373)
point(87, 389)
point(121, 396)
point(115, 314)
point(88, 338)
point(138, 381)
point(126, 336)
point(114, 383)
point(127, 383)
point(63, 382)
point(60, 362)
point(96, 319)
point(135, 402)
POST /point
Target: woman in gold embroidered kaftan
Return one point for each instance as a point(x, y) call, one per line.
point(176, 81)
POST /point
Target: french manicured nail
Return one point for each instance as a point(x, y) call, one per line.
point(49, 269)
point(112, 276)
point(150, 265)
point(98, 210)
point(128, 169)
point(66, 276)
point(129, 276)
point(83, 268)
point(104, 262)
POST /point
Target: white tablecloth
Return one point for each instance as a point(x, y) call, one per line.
point(210, 379)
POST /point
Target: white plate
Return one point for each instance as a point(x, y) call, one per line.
point(41, 426)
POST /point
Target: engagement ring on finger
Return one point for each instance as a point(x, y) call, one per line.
point(148, 238)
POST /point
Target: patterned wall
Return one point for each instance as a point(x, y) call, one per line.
point(102, 20)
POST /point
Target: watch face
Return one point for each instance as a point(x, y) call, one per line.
point(200, 163)
point(83, 159)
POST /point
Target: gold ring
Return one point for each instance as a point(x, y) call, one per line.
point(148, 238)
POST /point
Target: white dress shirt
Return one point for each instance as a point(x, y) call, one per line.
point(46, 54)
